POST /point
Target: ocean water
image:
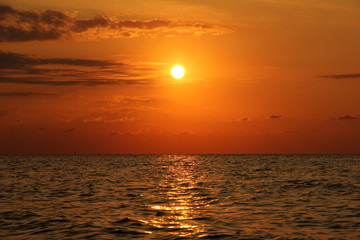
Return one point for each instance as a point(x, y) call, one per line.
point(180, 197)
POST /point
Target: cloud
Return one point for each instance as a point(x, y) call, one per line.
point(26, 69)
point(128, 99)
point(65, 82)
point(290, 131)
point(347, 117)
point(5, 111)
point(114, 120)
point(186, 132)
point(244, 119)
point(17, 25)
point(25, 94)
point(69, 130)
point(110, 115)
point(139, 100)
point(275, 116)
point(9, 60)
point(341, 76)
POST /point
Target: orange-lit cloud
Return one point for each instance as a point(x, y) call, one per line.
point(18, 25)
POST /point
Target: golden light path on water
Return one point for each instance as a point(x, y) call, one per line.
point(179, 209)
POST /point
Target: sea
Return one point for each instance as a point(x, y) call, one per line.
point(244, 197)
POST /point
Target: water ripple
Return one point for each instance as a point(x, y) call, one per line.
point(180, 197)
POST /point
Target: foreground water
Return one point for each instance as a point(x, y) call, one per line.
point(180, 196)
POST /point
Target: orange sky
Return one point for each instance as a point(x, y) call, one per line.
point(262, 76)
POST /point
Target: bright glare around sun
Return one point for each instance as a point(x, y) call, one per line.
point(177, 72)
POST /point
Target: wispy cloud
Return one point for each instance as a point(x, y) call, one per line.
point(116, 99)
point(290, 131)
point(110, 115)
point(9, 60)
point(5, 111)
point(17, 25)
point(69, 130)
point(128, 99)
point(26, 69)
point(113, 120)
point(186, 132)
point(273, 116)
point(347, 117)
point(341, 76)
point(244, 119)
point(25, 94)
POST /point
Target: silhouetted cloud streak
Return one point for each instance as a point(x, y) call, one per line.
point(347, 117)
point(69, 130)
point(25, 94)
point(9, 60)
point(26, 69)
point(341, 76)
point(273, 116)
point(80, 81)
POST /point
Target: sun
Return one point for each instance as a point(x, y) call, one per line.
point(177, 72)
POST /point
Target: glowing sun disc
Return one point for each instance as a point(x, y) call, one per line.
point(177, 72)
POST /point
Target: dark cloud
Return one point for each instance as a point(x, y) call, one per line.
point(25, 94)
point(18, 25)
point(69, 130)
point(83, 25)
point(26, 69)
point(186, 132)
point(65, 82)
point(238, 120)
point(9, 60)
point(275, 116)
point(341, 76)
point(5, 111)
point(347, 117)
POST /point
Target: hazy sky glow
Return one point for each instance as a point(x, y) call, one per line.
point(262, 76)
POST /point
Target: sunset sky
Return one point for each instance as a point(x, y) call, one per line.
point(261, 76)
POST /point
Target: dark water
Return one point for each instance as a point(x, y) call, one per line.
point(180, 196)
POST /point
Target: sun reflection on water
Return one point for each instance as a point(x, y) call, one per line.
point(180, 200)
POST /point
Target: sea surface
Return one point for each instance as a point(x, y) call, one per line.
point(180, 197)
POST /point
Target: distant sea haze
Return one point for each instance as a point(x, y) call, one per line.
point(180, 197)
